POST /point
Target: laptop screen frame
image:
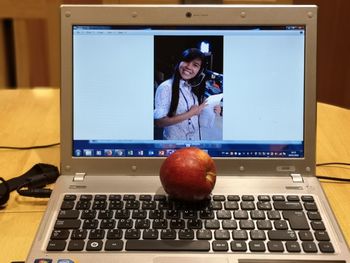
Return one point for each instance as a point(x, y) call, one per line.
point(186, 15)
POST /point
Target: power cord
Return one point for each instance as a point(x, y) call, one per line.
point(331, 177)
point(31, 183)
point(29, 147)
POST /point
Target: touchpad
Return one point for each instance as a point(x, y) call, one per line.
point(169, 259)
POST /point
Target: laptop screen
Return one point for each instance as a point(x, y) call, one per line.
point(146, 91)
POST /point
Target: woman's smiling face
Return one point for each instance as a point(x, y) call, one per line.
point(188, 70)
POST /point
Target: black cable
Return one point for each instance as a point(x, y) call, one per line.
point(333, 178)
point(333, 163)
point(29, 147)
point(6, 194)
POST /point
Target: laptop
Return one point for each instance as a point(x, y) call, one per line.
point(108, 205)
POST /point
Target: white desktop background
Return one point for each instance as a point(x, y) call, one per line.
point(263, 86)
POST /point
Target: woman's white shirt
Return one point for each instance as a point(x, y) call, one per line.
point(187, 129)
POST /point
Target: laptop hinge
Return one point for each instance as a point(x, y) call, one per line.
point(297, 178)
point(79, 177)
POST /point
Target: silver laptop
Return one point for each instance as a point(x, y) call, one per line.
point(259, 73)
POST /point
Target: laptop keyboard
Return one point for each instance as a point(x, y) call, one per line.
point(232, 223)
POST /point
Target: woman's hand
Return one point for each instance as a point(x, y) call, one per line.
point(217, 110)
point(197, 109)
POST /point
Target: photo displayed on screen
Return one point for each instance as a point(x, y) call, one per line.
point(188, 100)
point(148, 91)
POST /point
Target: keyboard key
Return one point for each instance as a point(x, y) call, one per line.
point(132, 234)
point(204, 234)
point(264, 224)
point(212, 224)
point(223, 214)
point(257, 214)
point(132, 204)
point(88, 214)
point(206, 214)
point(278, 198)
point(293, 198)
point(167, 245)
point(318, 225)
point(310, 206)
point(97, 234)
point(257, 235)
point(219, 245)
point(56, 245)
point(222, 234)
point(67, 205)
point(145, 198)
point(70, 197)
point(273, 215)
point(247, 198)
point(246, 224)
point(94, 245)
point(275, 246)
point(229, 224)
point(297, 220)
point(263, 205)
point(219, 198)
point(85, 197)
point(286, 235)
point(67, 224)
point(108, 224)
point(264, 198)
point(257, 246)
point(312, 215)
point(79, 234)
point(122, 214)
point(233, 198)
point(129, 197)
point(114, 245)
point(231, 205)
point(68, 214)
point(115, 197)
point(247, 205)
point(307, 198)
point(115, 234)
point(142, 223)
point(240, 214)
point(168, 234)
point(321, 236)
point(177, 224)
point(216, 205)
point(90, 224)
point(105, 214)
point(305, 236)
point(156, 214)
point(309, 247)
point(280, 224)
point(125, 223)
point(326, 247)
point(281, 205)
point(238, 246)
point(100, 197)
point(150, 234)
point(293, 247)
point(194, 224)
point(240, 234)
point(186, 234)
point(60, 234)
point(160, 224)
point(76, 245)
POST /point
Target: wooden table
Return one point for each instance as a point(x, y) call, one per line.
point(31, 117)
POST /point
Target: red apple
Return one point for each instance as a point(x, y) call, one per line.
point(188, 174)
